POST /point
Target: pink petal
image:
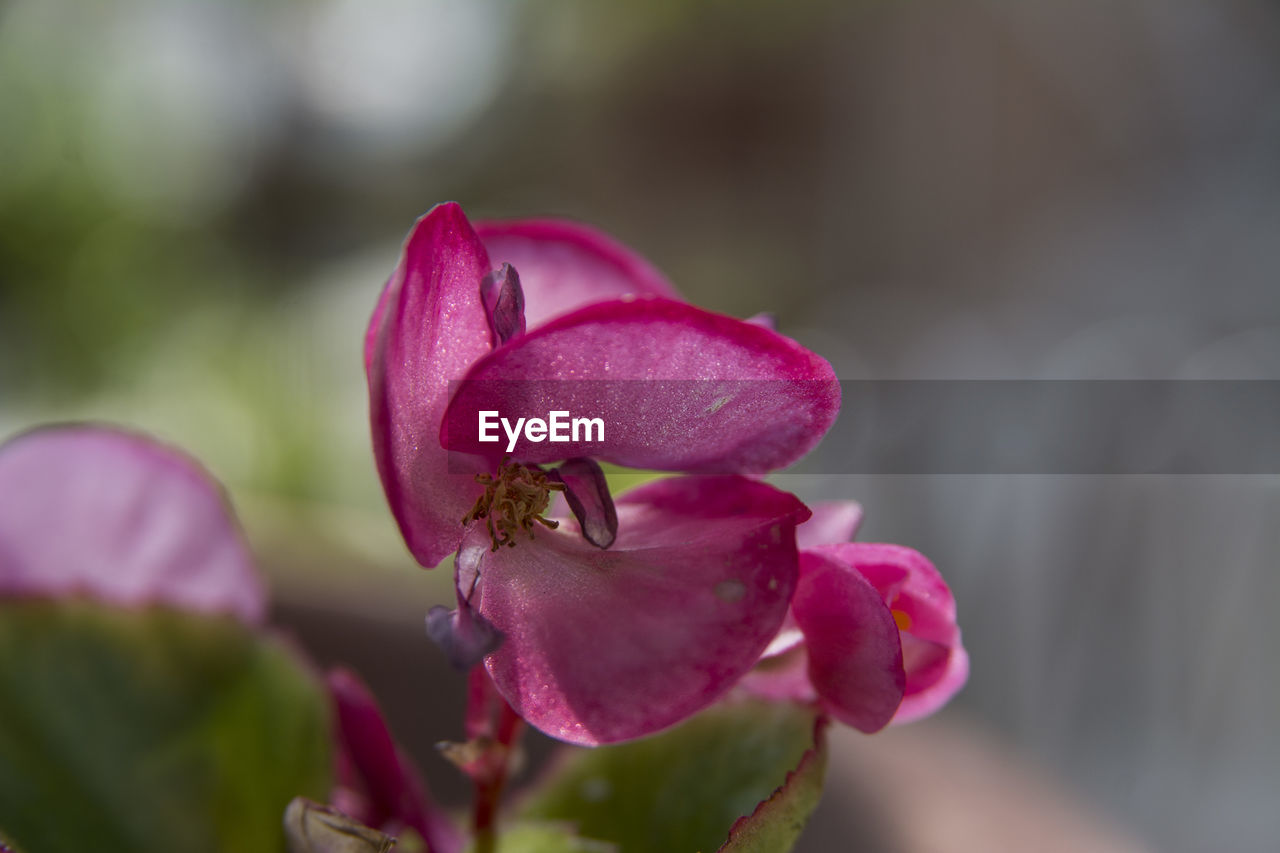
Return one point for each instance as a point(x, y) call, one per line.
point(832, 522)
point(907, 581)
point(935, 661)
point(96, 511)
point(392, 793)
point(374, 332)
point(783, 677)
point(855, 656)
point(788, 637)
point(428, 328)
point(924, 662)
point(929, 699)
point(927, 621)
point(564, 266)
point(678, 389)
point(609, 645)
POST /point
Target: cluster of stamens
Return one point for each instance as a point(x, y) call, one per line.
point(513, 501)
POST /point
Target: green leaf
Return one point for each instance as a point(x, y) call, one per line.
point(151, 730)
point(685, 789)
point(777, 822)
point(547, 838)
point(621, 479)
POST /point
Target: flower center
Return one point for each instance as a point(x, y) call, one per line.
point(513, 501)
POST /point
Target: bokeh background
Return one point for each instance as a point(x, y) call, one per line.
point(200, 200)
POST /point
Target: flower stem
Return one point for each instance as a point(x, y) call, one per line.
point(491, 721)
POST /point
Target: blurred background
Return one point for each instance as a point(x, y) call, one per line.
point(199, 202)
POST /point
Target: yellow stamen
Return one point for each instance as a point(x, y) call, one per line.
point(902, 619)
point(513, 501)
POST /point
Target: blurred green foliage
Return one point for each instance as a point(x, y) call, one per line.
point(199, 200)
point(154, 730)
point(685, 788)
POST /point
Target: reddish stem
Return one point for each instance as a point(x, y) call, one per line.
point(490, 718)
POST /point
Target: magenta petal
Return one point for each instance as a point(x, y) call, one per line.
point(430, 327)
point(368, 750)
point(923, 581)
point(908, 582)
point(96, 511)
point(930, 698)
point(503, 300)
point(855, 656)
point(927, 621)
point(783, 677)
point(564, 266)
point(604, 646)
point(392, 793)
point(832, 522)
point(934, 659)
point(788, 637)
point(587, 494)
point(374, 331)
point(924, 662)
point(678, 389)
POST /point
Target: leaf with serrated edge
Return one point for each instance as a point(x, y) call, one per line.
point(776, 824)
point(686, 788)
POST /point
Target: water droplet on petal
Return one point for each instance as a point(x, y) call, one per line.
point(730, 590)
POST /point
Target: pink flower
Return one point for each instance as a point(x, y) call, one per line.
point(872, 633)
point(115, 516)
point(622, 619)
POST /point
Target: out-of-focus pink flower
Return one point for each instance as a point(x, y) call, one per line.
point(622, 619)
point(115, 516)
point(871, 635)
point(111, 515)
